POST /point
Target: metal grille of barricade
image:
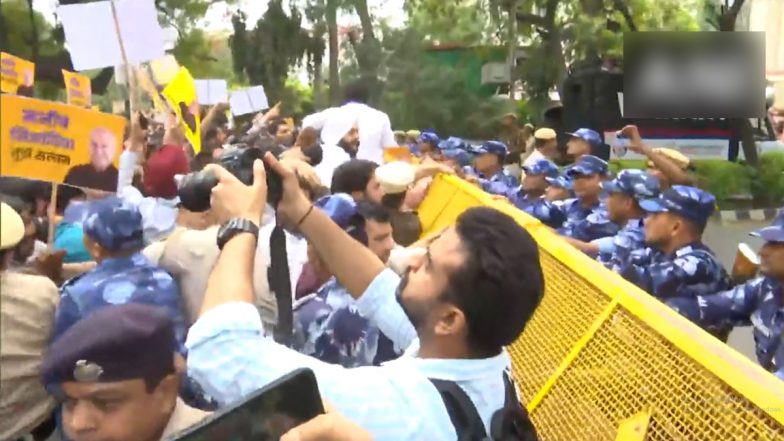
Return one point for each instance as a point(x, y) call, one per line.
point(599, 351)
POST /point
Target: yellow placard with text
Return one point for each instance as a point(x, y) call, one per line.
point(59, 143)
point(180, 93)
point(17, 75)
point(78, 89)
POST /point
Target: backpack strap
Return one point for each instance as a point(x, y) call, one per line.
point(512, 422)
point(468, 424)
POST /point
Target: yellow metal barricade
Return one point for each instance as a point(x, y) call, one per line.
point(599, 351)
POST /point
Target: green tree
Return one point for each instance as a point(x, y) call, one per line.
point(266, 53)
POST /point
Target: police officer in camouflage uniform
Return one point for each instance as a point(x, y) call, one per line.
point(624, 194)
point(759, 302)
point(489, 170)
point(675, 263)
point(530, 196)
point(586, 175)
point(113, 235)
point(327, 323)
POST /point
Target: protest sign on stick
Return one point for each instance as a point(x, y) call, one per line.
point(17, 75)
point(249, 100)
point(211, 92)
point(180, 93)
point(59, 143)
point(93, 37)
point(78, 89)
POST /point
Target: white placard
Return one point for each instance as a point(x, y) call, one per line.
point(211, 92)
point(92, 38)
point(247, 101)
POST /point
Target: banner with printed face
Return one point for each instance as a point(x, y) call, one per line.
point(59, 143)
point(78, 89)
point(180, 93)
point(17, 75)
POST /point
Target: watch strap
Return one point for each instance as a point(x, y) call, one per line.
point(233, 227)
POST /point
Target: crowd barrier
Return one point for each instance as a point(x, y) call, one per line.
point(603, 360)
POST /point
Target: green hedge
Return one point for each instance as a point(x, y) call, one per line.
point(727, 179)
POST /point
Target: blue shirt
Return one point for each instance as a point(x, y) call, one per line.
point(117, 281)
point(574, 213)
point(759, 302)
point(328, 326)
point(595, 226)
point(501, 183)
point(229, 355)
point(692, 271)
point(630, 238)
point(549, 213)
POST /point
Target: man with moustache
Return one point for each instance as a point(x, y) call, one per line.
point(445, 311)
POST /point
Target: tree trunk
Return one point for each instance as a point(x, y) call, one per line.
point(368, 51)
point(34, 28)
point(741, 128)
point(334, 72)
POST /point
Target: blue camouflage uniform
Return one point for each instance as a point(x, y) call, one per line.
point(639, 185)
point(757, 302)
point(127, 278)
point(691, 271)
point(501, 183)
point(327, 324)
point(549, 213)
point(586, 223)
point(429, 138)
point(456, 149)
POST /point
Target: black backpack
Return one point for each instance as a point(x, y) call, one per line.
point(510, 423)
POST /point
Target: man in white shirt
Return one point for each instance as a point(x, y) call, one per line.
point(375, 129)
point(545, 147)
point(445, 309)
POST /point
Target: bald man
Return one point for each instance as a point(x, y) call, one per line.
point(100, 173)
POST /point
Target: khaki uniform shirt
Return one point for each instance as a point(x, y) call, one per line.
point(27, 308)
point(182, 418)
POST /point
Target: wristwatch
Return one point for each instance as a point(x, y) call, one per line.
point(234, 227)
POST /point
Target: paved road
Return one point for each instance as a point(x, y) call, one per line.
point(724, 239)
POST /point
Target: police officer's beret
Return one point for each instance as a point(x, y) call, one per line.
point(116, 343)
point(115, 226)
point(494, 147)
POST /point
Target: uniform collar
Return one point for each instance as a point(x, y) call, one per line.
point(116, 262)
point(688, 249)
point(181, 418)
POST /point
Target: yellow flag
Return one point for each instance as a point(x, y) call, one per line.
point(180, 93)
point(78, 89)
point(17, 75)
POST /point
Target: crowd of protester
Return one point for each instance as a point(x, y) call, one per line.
point(142, 317)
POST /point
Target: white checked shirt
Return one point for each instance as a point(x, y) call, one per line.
point(230, 357)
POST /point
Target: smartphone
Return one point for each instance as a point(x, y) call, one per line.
point(266, 414)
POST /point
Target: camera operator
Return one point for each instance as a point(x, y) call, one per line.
point(445, 311)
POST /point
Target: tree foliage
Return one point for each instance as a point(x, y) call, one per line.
point(266, 53)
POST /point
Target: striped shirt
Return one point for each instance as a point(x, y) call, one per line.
point(231, 358)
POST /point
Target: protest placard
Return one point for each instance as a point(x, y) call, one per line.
point(17, 75)
point(211, 92)
point(249, 100)
point(59, 143)
point(180, 93)
point(93, 39)
point(78, 89)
